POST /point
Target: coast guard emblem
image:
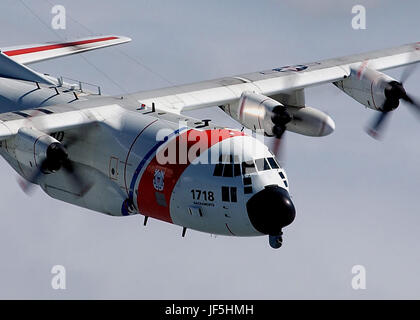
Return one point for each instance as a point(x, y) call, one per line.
point(158, 180)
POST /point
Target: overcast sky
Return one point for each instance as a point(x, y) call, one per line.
point(356, 198)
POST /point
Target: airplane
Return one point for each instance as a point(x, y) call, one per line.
point(141, 154)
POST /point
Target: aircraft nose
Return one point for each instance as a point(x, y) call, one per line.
point(270, 210)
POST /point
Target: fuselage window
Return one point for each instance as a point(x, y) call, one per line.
point(233, 196)
point(225, 194)
point(247, 180)
point(247, 189)
point(229, 194)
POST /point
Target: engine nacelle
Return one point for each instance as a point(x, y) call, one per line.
point(367, 86)
point(310, 122)
point(256, 112)
point(31, 146)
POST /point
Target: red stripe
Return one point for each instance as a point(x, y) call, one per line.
point(146, 198)
point(55, 46)
point(362, 67)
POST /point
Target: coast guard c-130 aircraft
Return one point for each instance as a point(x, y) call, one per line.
point(113, 154)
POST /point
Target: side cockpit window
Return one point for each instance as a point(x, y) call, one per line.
point(248, 167)
point(273, 163)
point(262, 164)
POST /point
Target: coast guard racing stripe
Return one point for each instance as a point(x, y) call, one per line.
point(158, 180)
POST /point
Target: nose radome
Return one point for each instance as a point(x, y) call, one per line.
point(270, 210)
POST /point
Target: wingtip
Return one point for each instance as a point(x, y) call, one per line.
point(124, 38)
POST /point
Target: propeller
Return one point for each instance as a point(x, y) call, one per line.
point(57, 158)
point(394, 93)
point(280, 119)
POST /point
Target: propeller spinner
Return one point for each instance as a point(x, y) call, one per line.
point(280, 119)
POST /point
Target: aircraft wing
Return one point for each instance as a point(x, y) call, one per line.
point(65, 117)
point(38, 52)
point(274, 81)
point(52, 119)
point(176, 99)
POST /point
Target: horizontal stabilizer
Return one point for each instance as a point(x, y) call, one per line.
point(14, 70)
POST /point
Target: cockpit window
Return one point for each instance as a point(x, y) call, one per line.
point(218, 170)
point(229, 166)
point(262, 164)
point(228, 170)
point(266, 165)
point(226, 157)
point(273, 163)
point(248, 167)
point(236, 169)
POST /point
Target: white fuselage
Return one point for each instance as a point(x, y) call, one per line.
point(205, 187)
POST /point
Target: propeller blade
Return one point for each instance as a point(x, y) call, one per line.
point(281, 118)
point(278, 148)
point(57, 158)
point(78, 181)
point(415, 105)
point(276, 144)
point(375, 130)
point(28, 186)
point(407, 72)
point(84, 132)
